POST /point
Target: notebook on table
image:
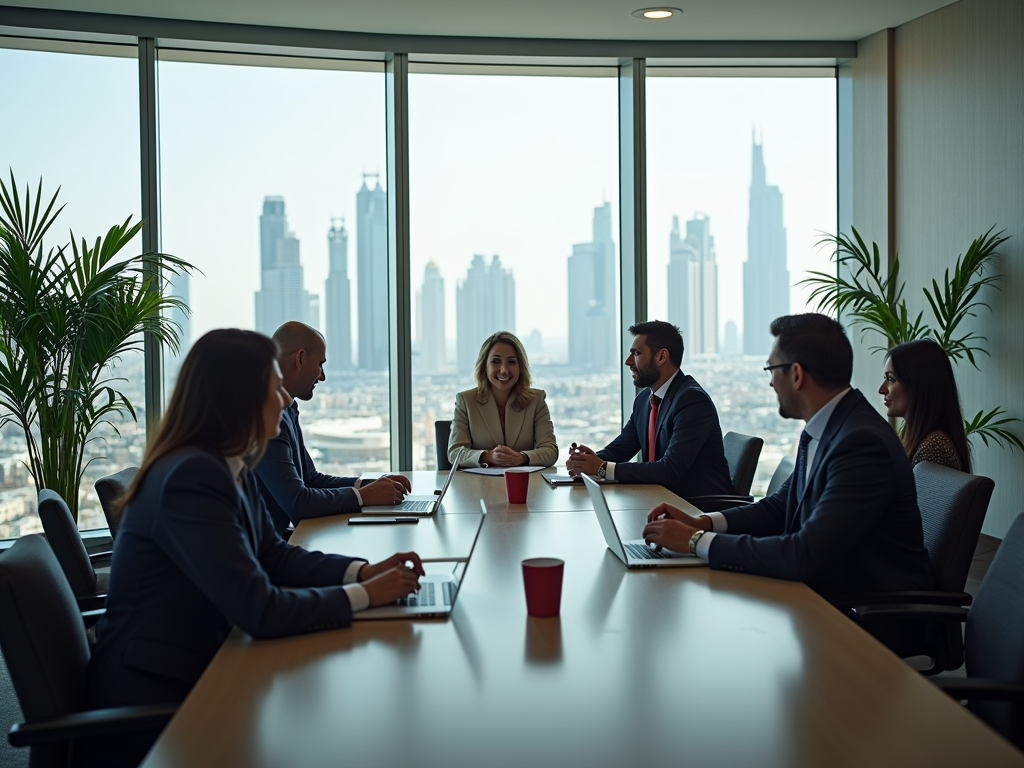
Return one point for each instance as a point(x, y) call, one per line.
point(419, 505)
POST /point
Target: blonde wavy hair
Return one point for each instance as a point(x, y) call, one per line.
point(524, 394)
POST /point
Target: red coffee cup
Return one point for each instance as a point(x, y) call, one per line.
point(517, 483)
point(542, 577)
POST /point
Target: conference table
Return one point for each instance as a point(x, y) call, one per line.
point(671, 666)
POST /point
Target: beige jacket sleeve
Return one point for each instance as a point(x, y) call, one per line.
point(460, 436)
point(545, 451)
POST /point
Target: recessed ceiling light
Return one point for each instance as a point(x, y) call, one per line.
point(656, 14)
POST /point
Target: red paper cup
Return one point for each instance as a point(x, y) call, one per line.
point(542, 577)
point(517, 483)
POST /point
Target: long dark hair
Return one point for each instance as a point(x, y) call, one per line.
point(217, 402)
point(923, 368)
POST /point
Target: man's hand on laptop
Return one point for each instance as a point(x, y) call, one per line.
point(669, 527)
point(391, 579)
point(384, 491)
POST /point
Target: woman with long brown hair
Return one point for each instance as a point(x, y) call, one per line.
point(919, 387)
point(197, 552)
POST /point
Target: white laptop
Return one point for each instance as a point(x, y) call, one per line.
point(419, 505)
point(437, 591)
point(636, 553)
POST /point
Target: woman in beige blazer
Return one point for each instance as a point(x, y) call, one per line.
point(503, 422)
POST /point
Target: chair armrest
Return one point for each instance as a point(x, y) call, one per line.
point(971, 688)
point(91, 618)
point(100, 559)
point(911, 612)
point(719, 502)
point(97, 722)
point(91, 603)
point(916, 597)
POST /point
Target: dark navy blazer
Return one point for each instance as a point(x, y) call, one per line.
point(292, 488)
point(691, 459)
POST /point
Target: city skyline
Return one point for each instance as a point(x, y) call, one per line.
point(431, 341)
point(338, 300)
point(282, 295)
point(485, 303)
point(593, 298)
point(693, 286)
point(372, 279)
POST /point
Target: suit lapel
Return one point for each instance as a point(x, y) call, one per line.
point(291, 419)
point(665, 411)
point(835, 423)
point(489, 412)
point(514, 421)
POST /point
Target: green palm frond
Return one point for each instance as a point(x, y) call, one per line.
point(989, 426)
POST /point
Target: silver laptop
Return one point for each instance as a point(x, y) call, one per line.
point(437, 592)
point(636, 553)
point(419, 505)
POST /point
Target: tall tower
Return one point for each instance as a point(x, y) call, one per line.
point(693, 286)
point(485, 302)
point(179, 288)
point(282, 295)
point(765, 274)
point(338, 300)
point(593, 338)
point(430, 330)
point(372, 260)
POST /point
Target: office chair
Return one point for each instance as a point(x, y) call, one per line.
point(782, 474)
point(741, 453)
point(88, 585)
point(442, 430)
point(993, 638)
point(111, 488)
point(44, 643)
point(953, 506)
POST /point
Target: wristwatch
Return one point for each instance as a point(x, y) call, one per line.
point(602, 471)
point(693, 541)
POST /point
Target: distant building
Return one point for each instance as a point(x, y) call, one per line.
point(372, 260)
point(485, 302)
point(338, 300)
point(765, 273)
point(593, 300)
point(693, 286)
point(179, 288)
point(282, 295)
point(731, 345)
point(430, 330)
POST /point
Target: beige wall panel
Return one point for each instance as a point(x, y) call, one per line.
point(960, 169)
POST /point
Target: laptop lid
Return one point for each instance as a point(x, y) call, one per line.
point(434, 500)
point(604, 517)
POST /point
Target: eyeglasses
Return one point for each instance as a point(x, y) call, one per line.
point(769, 368)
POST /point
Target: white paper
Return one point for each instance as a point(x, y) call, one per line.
point(499, 470)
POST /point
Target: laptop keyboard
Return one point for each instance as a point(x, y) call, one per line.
point(416, 506)
point(643, 552)
point(427, 596)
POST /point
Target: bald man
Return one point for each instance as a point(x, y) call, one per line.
point(292, 488)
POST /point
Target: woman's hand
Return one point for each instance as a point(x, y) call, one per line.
point(391, 579)
point(503, 456)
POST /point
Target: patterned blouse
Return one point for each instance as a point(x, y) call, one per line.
point(937, 448)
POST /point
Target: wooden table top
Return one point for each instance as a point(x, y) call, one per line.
point(679, 666)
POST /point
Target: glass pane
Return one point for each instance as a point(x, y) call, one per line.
point(741, 185)
point(514, 205)
point(272, 185)
point(72, 120)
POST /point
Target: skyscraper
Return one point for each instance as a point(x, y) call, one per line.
point(338, 300)
point(593, 337)
point(765, 274)
point(372, 261)
point(282, 295)
point(693, 286)
point(430, 332)
point(485, 302)
point(178, 287)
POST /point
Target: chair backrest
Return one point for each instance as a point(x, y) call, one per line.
point(111, 488)
point(41, 632)
point(953, 506)
point(742, 453)
point(994, 636)
point(782, 474)
point(442, 430)
point(66, 542)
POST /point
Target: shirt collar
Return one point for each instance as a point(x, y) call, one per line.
point(817, 423)
point(663, 389)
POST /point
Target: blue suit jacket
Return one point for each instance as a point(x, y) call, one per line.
point(691, 460)
point(857, 526)
point(196, 554)
point(292, 488)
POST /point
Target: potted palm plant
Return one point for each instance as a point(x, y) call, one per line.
point(65, 317)
point(861, 291)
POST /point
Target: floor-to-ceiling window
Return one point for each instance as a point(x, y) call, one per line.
point(273, 185)
point(71, 119)
point(514, 226)
point(741, 174)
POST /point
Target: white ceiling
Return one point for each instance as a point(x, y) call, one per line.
point(579, 19)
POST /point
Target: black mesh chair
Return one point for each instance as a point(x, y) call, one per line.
point(781, 475)
point(44, 643)
point(442, 430)
point(993, 639)
point(88, 585)
point(953, 507)
point(109, 489)
point(741, 453)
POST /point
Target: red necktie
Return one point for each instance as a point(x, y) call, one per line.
point(652, 429)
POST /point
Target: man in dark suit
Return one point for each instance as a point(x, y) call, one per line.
point(292, 488)
point(674, 424)
point(847, 519)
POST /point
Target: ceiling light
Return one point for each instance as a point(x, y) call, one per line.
point(656, 13)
